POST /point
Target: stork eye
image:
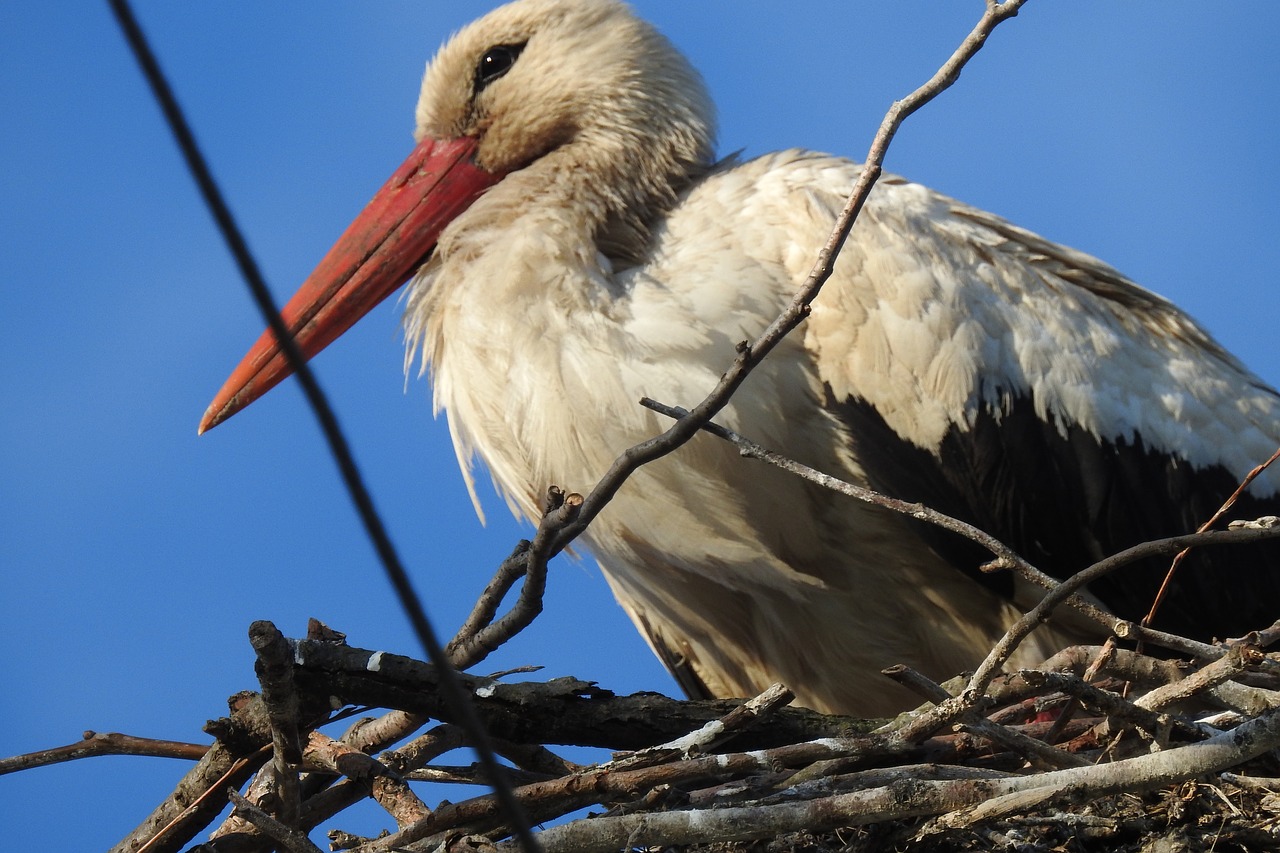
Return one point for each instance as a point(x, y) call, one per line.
point(496, 61)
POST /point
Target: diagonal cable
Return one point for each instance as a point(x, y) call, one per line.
point(338, 445)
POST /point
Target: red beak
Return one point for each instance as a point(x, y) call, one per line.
point(380, 251)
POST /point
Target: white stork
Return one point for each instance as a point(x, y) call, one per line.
point(572, 244)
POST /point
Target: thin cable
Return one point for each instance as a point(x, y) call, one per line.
point(338, 445)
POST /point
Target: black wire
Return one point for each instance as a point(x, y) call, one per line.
point(338, 446)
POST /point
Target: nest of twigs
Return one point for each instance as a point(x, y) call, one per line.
point(1099, 749)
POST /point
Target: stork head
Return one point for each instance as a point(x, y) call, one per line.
point(573, 97)
point(538, 75)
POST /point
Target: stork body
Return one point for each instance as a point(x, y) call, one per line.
point(601, 254)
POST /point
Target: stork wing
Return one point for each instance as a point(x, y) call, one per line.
point(1034, 391)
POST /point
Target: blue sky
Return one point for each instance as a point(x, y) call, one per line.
point(135, 554)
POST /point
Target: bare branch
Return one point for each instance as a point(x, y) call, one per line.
point(473, 775)
point(103, 743)
point(481, 634)
point(275, 673)
point(289, 839)
point(1214, 519)
point(1238, 659)
point(422, 749)
point(243, 746)
point(1037, 752)
point(1059, 591)
point(599, 784)
point(485, 609)
point(1005, 556)
point(714, 732)
point(563, 710)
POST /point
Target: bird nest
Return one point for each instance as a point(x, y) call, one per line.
point(1099, 748)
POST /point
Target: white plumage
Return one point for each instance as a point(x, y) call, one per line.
point(952, 358)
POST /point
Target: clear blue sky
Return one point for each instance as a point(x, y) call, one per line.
point(135, 555)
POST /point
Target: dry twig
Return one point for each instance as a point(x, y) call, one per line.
point(290, 840)
point(103, 743)
point(1208, 525)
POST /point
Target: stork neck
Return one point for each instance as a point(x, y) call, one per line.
point(608, 192)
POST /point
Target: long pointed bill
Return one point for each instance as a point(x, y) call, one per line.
point(380, 251)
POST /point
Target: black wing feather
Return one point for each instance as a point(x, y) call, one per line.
point(1064, 499)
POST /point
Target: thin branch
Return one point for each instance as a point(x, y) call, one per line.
point(563, 710)
point(104, 743)
point(712, 733)
point(1037, 752)
point(535, 757)
point(473, 775)
point(1121, 627)
point(242, 747)
point(373, 734)
point(1006, 558)
point(327, 755)
point(290, 840)
point(1146, 672)
point(481, 634)
point(483, 612)
point(1216, 517)
point(1238, 659)
point(412, 755)
point(182, 826)
point(1100, 701)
